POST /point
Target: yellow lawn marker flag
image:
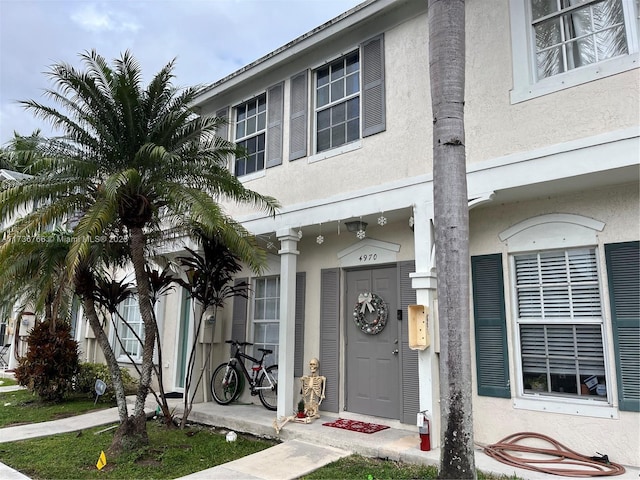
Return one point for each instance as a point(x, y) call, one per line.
point(102, 461)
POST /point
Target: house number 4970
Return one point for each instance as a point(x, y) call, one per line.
point(368, 257)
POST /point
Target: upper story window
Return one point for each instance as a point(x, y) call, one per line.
point(330, 109)
point(559, 44)
point(573, 33)
point(346, 104)
point(338, 102)
point(251, 125)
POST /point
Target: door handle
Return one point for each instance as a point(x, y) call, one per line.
point(395, 352)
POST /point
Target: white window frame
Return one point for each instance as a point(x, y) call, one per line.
point(129, 305)
point(558, 231)
point(567, 320)
point(257, 318)
point(525, 83)
point(594, 406)
point(238, 139)
point(347, 146)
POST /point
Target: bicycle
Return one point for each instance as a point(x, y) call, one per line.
point(227, 381)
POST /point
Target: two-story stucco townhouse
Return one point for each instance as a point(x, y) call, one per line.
point(337, 126)
point(14, 320)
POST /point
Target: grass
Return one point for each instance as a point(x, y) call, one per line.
point(357, 467)
point(21, 406)
point(171, 454)
point(7, 382)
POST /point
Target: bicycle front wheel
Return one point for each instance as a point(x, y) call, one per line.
point(225, 384)
point(268, 388)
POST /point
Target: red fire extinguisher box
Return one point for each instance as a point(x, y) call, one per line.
point(423, 430)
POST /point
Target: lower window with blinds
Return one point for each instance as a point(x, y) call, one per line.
point(559, 316)
point(266, 317)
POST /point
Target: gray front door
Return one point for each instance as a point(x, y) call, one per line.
point(372, 361)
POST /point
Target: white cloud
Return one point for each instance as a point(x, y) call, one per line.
point(97, 19)
point(209, 38)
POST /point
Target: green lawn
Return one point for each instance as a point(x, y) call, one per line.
point(7, 382)
point(363, 468)
point(21, 406)
point(171, 454)
point(357, 467)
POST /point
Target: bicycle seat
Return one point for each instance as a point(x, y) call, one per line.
point(265, 350)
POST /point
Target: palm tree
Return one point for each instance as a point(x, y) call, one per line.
point(33, 279)
point(33, 271)
point(136, 160)
point(21, 152)
point(451, 218)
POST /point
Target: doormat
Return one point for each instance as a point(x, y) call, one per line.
point(355, 426)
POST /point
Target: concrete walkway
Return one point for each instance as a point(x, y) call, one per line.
point(288, 460)
point(304, 448)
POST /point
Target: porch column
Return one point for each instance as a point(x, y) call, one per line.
point(288, 259)
point(424, 283)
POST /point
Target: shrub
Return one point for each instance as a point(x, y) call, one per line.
point(85, 381)
point(50, 363)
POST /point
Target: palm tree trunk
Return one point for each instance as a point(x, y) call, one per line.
point(137, 245)
point(109, 355)
point(451, 217)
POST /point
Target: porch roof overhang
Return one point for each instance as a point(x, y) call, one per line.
point(595, 162)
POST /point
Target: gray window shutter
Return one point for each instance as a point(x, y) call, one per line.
point(275, 109)
point(298, 363)
point(492, 356)
point(330, 335)
point(623, 271)
point(239, 318)
point(298, 116)
point(223, 131)
point(373, 101)
point(409, 380)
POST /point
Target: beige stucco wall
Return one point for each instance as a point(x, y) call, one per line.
point(494, 126)
point(402, 151)
point(495, 418)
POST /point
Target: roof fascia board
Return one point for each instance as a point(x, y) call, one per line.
point(306, 41)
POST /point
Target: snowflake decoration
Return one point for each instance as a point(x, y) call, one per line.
point(319, 239)
point(382, 220)
point(299, 234)
point(270, 245)
point(360, 234)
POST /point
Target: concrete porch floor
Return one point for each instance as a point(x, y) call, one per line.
point(400, 442)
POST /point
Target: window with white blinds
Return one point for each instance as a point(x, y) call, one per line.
point(560, 323)
point(266, 316)
point(130, 330)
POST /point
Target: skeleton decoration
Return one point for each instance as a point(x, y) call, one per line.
point(313, 392)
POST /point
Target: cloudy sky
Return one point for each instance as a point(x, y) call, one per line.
point(209, 38)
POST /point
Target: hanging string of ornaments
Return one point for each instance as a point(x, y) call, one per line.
point(370, 313)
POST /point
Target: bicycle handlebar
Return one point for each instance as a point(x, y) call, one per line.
point(235, 342)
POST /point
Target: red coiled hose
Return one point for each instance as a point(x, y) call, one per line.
point(564, 461)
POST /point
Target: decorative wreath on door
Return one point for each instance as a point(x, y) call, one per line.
point(370, 313)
